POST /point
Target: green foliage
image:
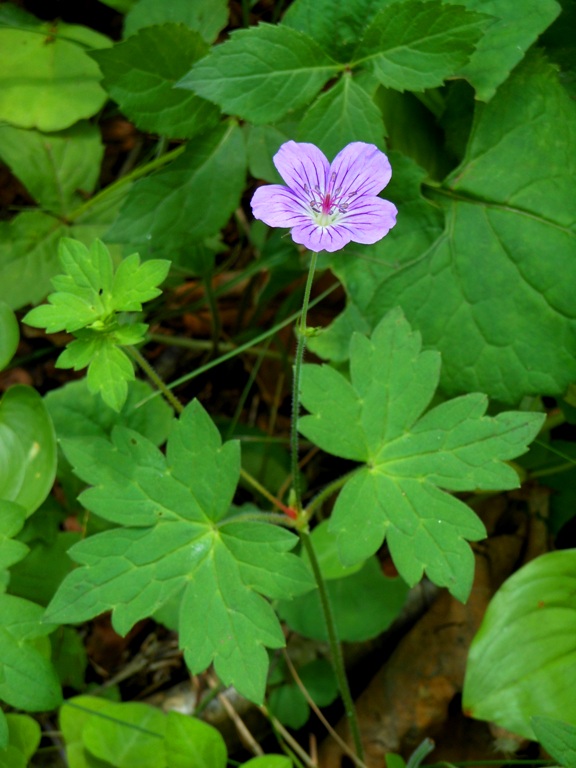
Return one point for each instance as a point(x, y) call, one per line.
point(21, 737)
point(139, 75)
point(208, 17)
point(27, 449)
point(9, 334)
point(558, 738)
point(189, 200)
point(88, 300)
point(177, 539)
point(522, 660)
point(47, 80)
point(411, 459)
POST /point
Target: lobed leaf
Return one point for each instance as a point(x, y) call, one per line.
point(179, 542)
point(411, 459)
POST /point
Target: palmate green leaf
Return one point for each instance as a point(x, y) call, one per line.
point(343, 114)
point(178, 541)
point(139, 74)
point(493, 290)
point(262, 73)
point(416, 45)
point(515, 26)
point(56, 168)
point(411, 459)
point(190, 199)
point(522, 662)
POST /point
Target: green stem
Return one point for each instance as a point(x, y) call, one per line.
point(335, 649)
point(264, 491)
point(157, 380)
point(330, 490)
point(300, 347)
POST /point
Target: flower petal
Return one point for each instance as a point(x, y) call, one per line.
point(277, 206)
point(368, 219)
point(303, 167)
point(360, 168)
point(317, 238)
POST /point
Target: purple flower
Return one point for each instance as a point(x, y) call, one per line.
point(328, 205)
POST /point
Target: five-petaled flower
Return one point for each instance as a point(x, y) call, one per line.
point(325, 205)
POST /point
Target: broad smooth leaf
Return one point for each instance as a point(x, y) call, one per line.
point(341, 115)
point(492, 291)
point(27, 679)
point(139, 74)
point(9, 334)
point(262, 73)
point(208, 17)
point(47, 80)
point(56, 168)
point(411, 459)
point(28, 453)
point(514, 28)
point(190, 741)
point(190, 199)
point(177, 541)
point(416, 45)
point(558, 738)
point(522, 662)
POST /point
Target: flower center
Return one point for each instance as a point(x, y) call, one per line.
point(329, 205)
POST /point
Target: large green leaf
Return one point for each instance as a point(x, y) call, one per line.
point(262, 73)
point(47, 80)
point(27, 448)
point(522, 662)
point(416, 45)
point(139, 74)
point(343, 114)
point(208, 17)
point(177, 541)
point(190, 199)
point(514, 28)
point(9, 334)
point(57, 169)
point(493, 291)
point(411, 459)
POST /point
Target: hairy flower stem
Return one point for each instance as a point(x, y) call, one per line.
point(335, 648)
point(300, 347)
point(155, 379)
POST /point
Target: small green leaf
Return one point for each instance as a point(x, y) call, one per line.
point(190, 741)
point(109, 372)
point(341, 115)
point(9, 334)
point(140, 74)
point(411, 459)
point(416, 45)
point(558, 738)
point(25, 735)
point(269, 761)
point(57, 169)
point(262, 73)
point(522, 662)
point(28, 453)
point(179, 542)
